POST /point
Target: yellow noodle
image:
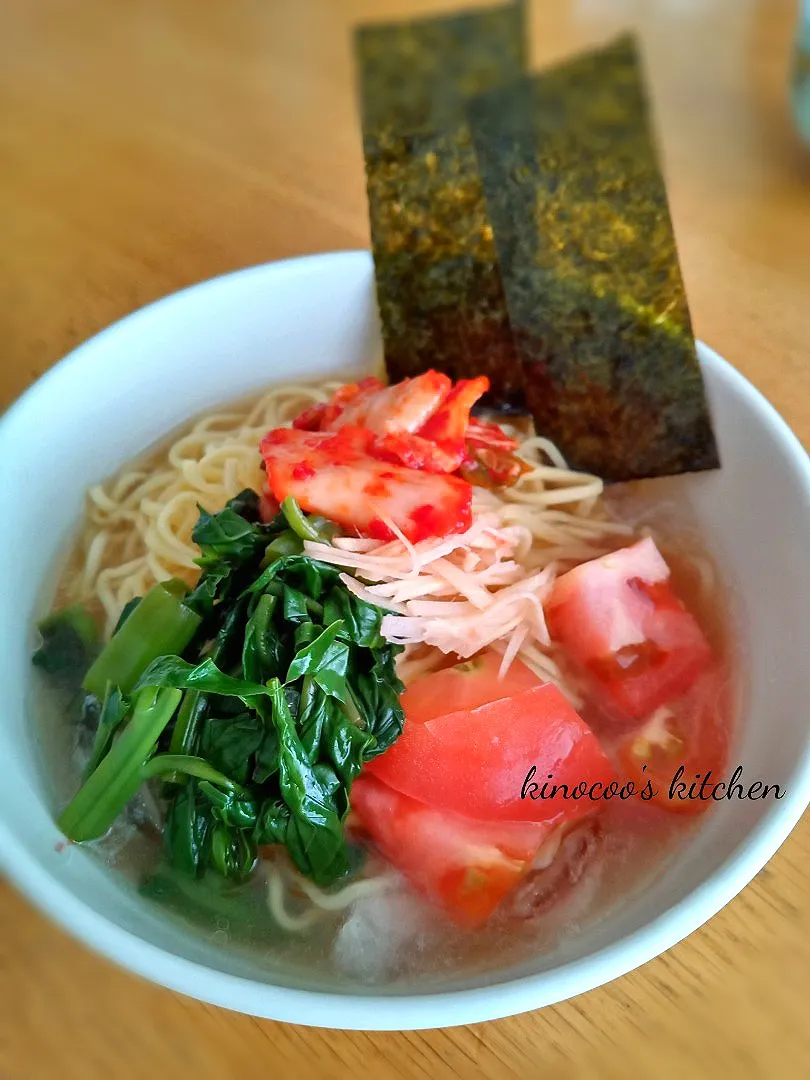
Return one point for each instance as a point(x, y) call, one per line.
point(320, 903)
point(138, 524)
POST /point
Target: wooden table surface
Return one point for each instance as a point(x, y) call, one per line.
point(150, 144)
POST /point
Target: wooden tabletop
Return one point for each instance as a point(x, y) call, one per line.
point(147, 145)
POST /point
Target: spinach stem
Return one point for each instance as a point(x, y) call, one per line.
point(298, 521)
point(351, 712)
point(161, 624)
point(110, 787)
point(190, 766)
point(187, 724)
point(286, 543)
point(113, 713)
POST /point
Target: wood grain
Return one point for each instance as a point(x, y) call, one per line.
point(147, 144)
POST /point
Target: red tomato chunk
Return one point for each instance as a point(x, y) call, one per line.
point(465, 866)
point(474, 756)
point(691, 734)
point(619, 619)
point(465, 686)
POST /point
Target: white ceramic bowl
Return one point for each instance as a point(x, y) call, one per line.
point(316, 317)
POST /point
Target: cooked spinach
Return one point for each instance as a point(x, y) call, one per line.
point(70, 641)
point(126, 611)
point(256, 723)
point(119, 774)
point(111, 716)
point(163, 622)
point(233, 852)
point(230, 743)
point(187, 830)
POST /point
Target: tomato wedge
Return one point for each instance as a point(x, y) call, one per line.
point(693, 734)
point(465, 866)
point(475, 761)
point(620, 620)
point(465, 686)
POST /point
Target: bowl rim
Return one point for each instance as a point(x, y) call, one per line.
point(406, 1011)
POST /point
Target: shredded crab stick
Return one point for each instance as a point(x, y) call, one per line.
point(459, 593)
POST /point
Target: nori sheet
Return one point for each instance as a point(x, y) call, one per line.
point(439, 290)
point(417, 75)
point(589, 266)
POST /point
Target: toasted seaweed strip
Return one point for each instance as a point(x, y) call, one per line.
point(590, 269)
point(438, 285)
point(417, 75)
point(439, 289)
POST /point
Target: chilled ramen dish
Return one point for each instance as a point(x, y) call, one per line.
point(348, 671)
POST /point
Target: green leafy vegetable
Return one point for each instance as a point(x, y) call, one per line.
point(287, 543)
point(267, 754)
point(225, 535)
point(190, 766)
point(361, 621)
point(306, 527)
point(233, 852)
point(315, 833)
point(333, 731)
point(206, 676)
point(232, 807)
point(246, 505)
point(272, 823)
point(195, 704)
point(331, 674)
point(376, 694)
point(297, 520)
point(271, 687)
point(187, 830)
point(310, 659)
point(119, 775)
point(230, 743)
point(187, 725)
point(161, 623)
point(296, 605)
point(262, 649)
point(230, 542)
point(112, 715)
point(70, 640)
point(231, 803)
